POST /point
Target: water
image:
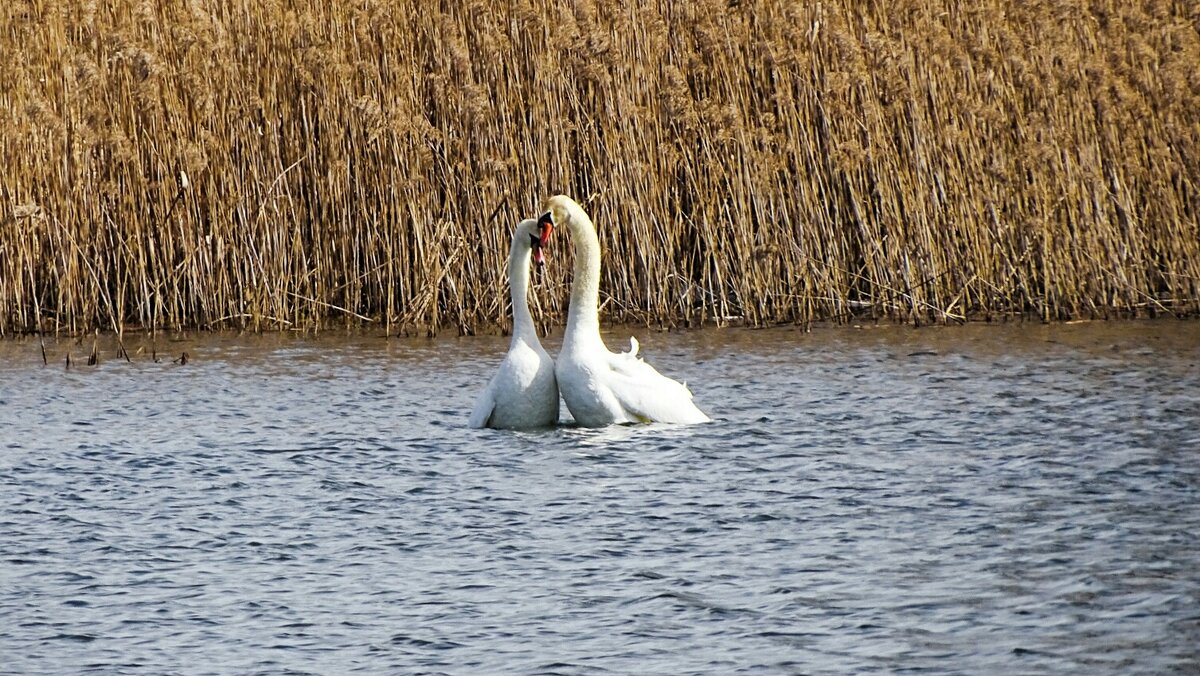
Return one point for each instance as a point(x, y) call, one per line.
point(974, 499)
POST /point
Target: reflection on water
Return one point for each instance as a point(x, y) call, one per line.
point(1018, 498)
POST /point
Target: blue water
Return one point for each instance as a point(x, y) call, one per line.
point(999, 499)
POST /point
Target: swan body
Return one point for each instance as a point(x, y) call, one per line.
point(601, 387)
point(523, 393)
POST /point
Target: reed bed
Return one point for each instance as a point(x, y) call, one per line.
point(289, 164)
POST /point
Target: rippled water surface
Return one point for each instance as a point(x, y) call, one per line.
point(1018, 498)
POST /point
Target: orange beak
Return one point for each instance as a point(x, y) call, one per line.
point(547, 227)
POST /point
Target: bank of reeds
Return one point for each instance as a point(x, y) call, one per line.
point(238, 163)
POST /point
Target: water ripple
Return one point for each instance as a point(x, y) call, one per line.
point(978, 499)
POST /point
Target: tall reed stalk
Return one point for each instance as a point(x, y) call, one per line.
point(291, 164)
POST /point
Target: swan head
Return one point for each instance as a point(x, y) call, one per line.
point(537, 234)
point(559, 211)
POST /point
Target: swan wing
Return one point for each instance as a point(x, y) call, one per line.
point(484, 405)
point(647, 395)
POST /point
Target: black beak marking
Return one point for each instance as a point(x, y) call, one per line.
point(536, 245)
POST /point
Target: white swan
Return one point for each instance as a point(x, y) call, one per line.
point(523, 393)
point(600, 387)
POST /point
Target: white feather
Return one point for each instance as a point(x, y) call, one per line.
point(601, 387)
point(523, 393)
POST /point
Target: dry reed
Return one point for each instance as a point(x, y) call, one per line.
point(290, 164)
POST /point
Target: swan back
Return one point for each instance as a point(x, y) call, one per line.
point(602, 388)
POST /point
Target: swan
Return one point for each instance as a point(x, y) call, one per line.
point(601, 387)
point(523, 393)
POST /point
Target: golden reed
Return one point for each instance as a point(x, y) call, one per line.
point(272, 164)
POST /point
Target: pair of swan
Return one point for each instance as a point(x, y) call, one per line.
point(599, 387)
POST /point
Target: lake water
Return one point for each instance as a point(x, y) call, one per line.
point(987, 498)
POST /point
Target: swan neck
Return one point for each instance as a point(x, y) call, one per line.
point(583, 317)
point(518, 284)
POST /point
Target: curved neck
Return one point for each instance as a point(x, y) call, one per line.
point(518, 284)
point(583, 317)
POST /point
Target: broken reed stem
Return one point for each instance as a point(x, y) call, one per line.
point(262, 166)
